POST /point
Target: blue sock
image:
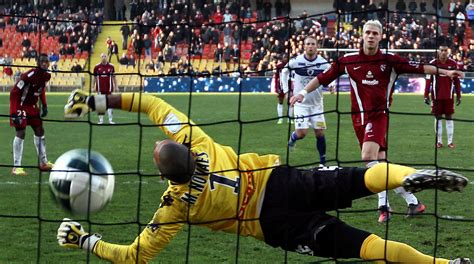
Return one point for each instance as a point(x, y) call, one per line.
point(293, 137)
point(321, 146)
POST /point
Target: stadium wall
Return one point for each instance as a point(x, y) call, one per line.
point(404, 84)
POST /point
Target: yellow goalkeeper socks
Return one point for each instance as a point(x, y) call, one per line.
point(384, 176)
point(376, 248)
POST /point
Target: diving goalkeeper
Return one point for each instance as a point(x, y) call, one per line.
point(249, 194)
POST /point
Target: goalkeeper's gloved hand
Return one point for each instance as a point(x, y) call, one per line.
point(72, 235)
point(427, 101)
point(44, 111)
point(458, 100)
point(79, 104)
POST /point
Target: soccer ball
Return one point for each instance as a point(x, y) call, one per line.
point(80, 183)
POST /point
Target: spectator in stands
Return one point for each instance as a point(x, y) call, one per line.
point(278, 8)
point(235, 53)
point(125, 31)
point(70, 49)
point(227, 55)
point(7, 62)
point(267, 10)
point(131, 60)
point(26, 42)
point(1, 42)
point(412, 6)
point(137, 45)
point(218, 53)
point(470, 14)
point(24, 53)
point(147, 44)
point(438, 7)
point(76, 67)
point(227, 31)
point(54, 67)
point(123, 60)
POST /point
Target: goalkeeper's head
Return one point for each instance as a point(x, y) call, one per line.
point(175, 161)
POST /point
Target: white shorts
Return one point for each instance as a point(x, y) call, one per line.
point(306, 117)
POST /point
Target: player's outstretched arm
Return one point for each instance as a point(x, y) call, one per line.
point(311, 86)
point(430, 69)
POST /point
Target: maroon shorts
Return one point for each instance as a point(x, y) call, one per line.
point(443, 107)
point(30, 116)
point(374, 130)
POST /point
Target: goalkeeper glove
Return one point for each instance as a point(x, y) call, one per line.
point(72, 235)
point(79, 104)
point(427, 101)
point(44, 111)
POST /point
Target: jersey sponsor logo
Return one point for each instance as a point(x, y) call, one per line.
point(172, 123)
point(371, 82)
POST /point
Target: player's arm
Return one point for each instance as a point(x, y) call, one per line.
point(457, 88)
point(430, 69)
point(172, 122)
point(285, 78)
point(325, 78)
point(166, 223)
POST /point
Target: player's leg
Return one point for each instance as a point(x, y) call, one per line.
point(110, 114)
point(40, 144)
point(339, 240)
point(18, 152)
point(301, 126)
point(439, 131)
point(321, 145)
point(281, 98)
point(450, 130)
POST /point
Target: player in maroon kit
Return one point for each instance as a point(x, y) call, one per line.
point(105, 82)
point(372, 75)
point(24, 111)
point(278, 89)
point(442, 90)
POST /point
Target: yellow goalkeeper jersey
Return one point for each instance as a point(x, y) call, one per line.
point(225, 193)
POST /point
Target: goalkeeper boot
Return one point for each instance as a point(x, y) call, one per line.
point(460, 261)
point(19, 172)
point(46, 166)
point(443, 180)
point(385, 214)
point(415, 209)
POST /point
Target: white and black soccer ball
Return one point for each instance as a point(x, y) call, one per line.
point(81, 184)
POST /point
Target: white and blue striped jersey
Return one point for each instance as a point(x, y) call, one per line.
point(302, 71)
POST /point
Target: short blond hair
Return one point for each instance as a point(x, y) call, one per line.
point(374, 23)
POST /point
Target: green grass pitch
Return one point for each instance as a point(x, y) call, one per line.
point(29, 218)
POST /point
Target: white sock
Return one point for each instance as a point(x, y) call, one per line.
point(383, 199)
point(280, 110)
point(290, 111)
point(450, 130)
point(41, 149)
point(17, 151)
point(110, 114)
point(409, 197)
point(439, 130)
point(101, 119)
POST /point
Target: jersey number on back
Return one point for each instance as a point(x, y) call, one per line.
point(224, 181)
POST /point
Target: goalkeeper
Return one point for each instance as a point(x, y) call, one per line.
point(252, 195)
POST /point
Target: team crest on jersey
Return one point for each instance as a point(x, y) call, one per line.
point(167, 200)
point(369, 75)
point(383, 67)
point(153, 227)
point(368, 128)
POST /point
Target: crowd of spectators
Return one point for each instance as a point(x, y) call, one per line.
point(74, 27)
point(267, 40)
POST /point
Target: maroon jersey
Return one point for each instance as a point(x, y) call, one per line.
point(29, 88)
point(104, 74)
point(25, 93)
point(371, 79)
point(441, 86)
